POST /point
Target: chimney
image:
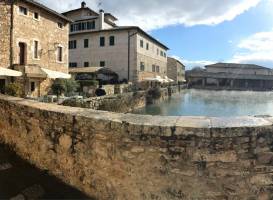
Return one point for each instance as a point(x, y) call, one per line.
point(83, 5)
point(101, 20)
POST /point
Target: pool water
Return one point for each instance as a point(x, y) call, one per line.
point(213, 104)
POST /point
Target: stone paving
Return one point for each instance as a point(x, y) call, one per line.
point(19, 181)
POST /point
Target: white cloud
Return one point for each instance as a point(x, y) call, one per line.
point(153, 14)
point(193, 63)
point(256, 49)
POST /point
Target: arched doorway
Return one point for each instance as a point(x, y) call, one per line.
point(22, 53)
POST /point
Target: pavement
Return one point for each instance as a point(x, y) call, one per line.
point(21, 181)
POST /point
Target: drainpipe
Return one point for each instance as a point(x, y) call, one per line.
point(129, 51)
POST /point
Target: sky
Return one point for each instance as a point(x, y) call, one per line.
point(198, 32)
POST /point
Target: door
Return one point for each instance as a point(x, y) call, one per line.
point(2, 85)
point(22, 53)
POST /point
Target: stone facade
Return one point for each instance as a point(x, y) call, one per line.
point(37, 24)
point(5, 23)
point(5, 10)
point(176, 70)
point(144, 50)
point(126, 156)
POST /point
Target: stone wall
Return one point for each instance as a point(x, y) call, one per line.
point(127, 102)
point(5, 11)
point(126, 156)
point(122, 103)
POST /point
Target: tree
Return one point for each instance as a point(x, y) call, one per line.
point(14, 89)
point(64, 86)
point(58, 87)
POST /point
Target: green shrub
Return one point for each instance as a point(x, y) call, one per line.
point(88, 83)
point(64, 86)
point(14, 89)
point(74, 103)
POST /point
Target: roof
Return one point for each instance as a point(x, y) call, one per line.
point(236, 65)
point(92, 11)
point(177, 61)
point(122, 28)
point(41, 6)
point(102, 70)
point(84, 8)
point(111, 16)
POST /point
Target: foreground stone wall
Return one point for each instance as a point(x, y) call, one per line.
point(126, 156)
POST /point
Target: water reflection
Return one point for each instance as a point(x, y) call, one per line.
point(214, 104)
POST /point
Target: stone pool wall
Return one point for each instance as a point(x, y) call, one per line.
point(123, 103)
point(132, 157)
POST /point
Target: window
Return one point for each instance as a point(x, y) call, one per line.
point(164, 54)
point(102, 41)
point(157, 69)
point(23, 10)
point(86, 43)
point(36, 15)
point(141, 43)
point(73, 64)
point(147, 46)
point(32, 86)
point(102, 63)
point(153, 68)
point(161, 53)
point(86, 64)
point(72, 44)
point(60, 25)
point(36, 46)
point(142, 66)
point(60, 54)
point(112, 40)
point(82, 26)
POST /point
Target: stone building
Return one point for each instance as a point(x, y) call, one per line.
point(34, 46)
point(175, 70)
point(97, 41)
point(232, 76)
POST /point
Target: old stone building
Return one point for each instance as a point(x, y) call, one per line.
point(97, 41)
point(34, 46)
point(175, 70)
point(232, 76)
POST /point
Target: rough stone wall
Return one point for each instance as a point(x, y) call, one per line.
point(122, 103)
point(126, 156)
point(5, 12)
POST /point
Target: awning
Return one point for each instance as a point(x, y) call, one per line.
point(38, 72)
point(169, 80)
point(9, 72)
point(54, 74)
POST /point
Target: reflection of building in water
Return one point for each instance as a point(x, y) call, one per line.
point(231, 76)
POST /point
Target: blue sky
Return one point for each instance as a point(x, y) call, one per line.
point(217, 43)
point(198, 32)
